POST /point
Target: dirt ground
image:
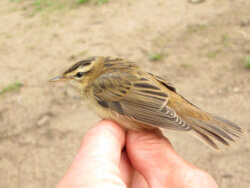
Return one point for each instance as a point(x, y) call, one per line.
point(200, 48)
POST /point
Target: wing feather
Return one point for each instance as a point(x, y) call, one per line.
point(137, 99)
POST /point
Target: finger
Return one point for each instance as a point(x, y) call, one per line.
point(139, 181)
point(129, 175)
point(106, 140)
point(152, 155)
point(126, 169)
point(98, 158)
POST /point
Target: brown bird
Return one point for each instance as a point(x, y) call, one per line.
point(118, 89)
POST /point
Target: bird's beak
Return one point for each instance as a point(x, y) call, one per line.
point(57, 79)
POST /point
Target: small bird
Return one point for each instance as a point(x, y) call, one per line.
point(117, 89)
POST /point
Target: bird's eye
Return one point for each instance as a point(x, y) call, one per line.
point(79, 74)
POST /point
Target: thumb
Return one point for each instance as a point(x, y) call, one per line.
point(154, 158)
point(97, 161)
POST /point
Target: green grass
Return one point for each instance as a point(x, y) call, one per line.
point(155, 56)
point(247, 62)
point(14, 86)
point(225, 40)
point(83, 1)
point(213, 54)
point(100, 2)
point(196, 28)
point(186, 65)
point(36, 6)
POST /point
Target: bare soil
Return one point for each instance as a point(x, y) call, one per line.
point(203, 48)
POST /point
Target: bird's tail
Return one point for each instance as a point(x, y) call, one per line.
point(213, 128)
point(209, 128)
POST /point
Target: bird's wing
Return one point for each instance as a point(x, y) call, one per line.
point(164, 82)
point(138, 99)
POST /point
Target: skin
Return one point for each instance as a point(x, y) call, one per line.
point(149, 160)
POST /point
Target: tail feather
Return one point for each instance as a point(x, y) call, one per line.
point(231, 127)
point(209, 128)
point(206, 139)
point(214, 128)
point(235, 134)
point(214, 135)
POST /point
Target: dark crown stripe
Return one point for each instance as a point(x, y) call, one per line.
point(78, 64)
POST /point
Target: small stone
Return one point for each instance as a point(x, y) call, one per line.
point(43, 120)
point(227, 175)
point(195, 1)
point(206, 41)
point(236, 89)
point(244, 23)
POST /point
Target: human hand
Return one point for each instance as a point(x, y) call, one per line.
point(148, 161)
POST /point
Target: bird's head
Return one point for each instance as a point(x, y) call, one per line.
point(81, 73)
